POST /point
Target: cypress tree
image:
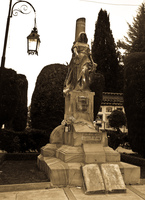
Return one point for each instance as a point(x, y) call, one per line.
point(135, 42)
point(104, 51)
point(134, 100)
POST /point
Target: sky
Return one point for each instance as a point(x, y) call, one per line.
point(56, 21)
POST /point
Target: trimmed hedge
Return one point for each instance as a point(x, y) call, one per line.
point(19, 120)
point(21, 156)
point(47, 105)
point(8, 94)
point(24, 141)
point(132, 159)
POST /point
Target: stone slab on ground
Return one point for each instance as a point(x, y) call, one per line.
point(72, 193)
point(138, 189)
point(93, 181)
point(129, 195)
point(25, 186)
point(112, 178)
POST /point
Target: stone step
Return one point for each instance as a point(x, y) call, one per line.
point(70, 154)
point(94, 153)
point(88, 153)
point(131, 173)
point(111, 155)
point(49, 150)
point(61, 173)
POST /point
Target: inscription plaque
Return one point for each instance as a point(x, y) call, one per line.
point(91, 138)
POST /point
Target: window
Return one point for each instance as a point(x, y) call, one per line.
point(109, 109)
point(119, 109)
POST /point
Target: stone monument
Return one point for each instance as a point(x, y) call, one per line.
point(78, 153)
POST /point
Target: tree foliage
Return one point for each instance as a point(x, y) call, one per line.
point(19, 120)
point(97, 86)
point(8, 94)
point(134, 100)
point(135, 42)
point(117, 119)
point(104, 52)
point(13, 99)
point(23, 141)
point(47, 105)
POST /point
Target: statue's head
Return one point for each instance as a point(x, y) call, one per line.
point(82, 37)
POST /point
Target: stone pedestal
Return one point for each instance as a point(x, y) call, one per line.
point(79, 155)
point(80, 106)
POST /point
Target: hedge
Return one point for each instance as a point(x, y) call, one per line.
point(24, 141)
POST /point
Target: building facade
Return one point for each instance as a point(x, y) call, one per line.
point(110, 101)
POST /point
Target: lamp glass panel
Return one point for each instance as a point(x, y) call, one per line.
point(32, 44)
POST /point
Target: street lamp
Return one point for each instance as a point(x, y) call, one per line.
point(33, 40)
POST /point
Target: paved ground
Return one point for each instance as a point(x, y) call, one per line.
point(134, 192)
point(44, 191)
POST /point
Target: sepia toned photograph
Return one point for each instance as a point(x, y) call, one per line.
point(72, 99)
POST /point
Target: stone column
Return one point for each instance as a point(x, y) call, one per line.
point(80, 27)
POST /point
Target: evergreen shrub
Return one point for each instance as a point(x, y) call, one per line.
point(134, 100)
point(47, 105)
point(25, 141)
point(8, 94)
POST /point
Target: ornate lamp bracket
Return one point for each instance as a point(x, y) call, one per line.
point(25, 8)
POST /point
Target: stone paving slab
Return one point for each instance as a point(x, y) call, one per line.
point(138, 189)
point(25, 187)
point(50, 194)
point(129, 195)
point(134, 192)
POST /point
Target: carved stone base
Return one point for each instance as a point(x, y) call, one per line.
point(78, 154)
point(65, 168)
point(70, 154)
